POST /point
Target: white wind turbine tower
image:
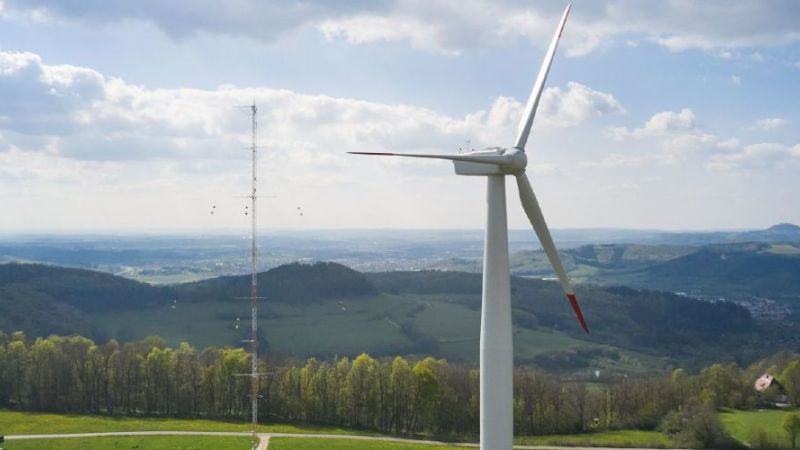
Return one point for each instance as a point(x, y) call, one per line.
point(496, 353)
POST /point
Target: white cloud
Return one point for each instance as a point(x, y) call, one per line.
point(575, 106)
point(679, 138)
point(754, 156)
point(736, 79)
point(769, 123)
point(665, 123)
point(558, 109)
point(669, 121)
point(728, 144)
point(617, 161)
point(75, 137)
point(99, 118)
point(450, 26)
point(363, 29)
point(678, 135)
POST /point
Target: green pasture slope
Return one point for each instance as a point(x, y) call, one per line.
point(326, 328)
point(134, 442)
point(745, 426)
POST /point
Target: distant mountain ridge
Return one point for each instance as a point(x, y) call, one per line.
point(784, 227)
point(175, 259)
point(779, 233)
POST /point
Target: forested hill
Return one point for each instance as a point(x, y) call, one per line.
point(326, 309)
point(84, 289)
point(41, 300)
point(292, 283)
point(648, 321)
point(749, 270)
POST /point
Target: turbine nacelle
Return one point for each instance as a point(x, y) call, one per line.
point(498, 161)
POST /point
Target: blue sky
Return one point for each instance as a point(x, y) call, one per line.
point(119, 116)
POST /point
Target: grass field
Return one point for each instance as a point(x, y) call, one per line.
point(12, 422)
point(348, 444)
point(134, 442)
point(627, 438)
point(623, 438)
point(745, 425)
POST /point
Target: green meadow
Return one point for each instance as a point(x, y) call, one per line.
point(134, 443)
point(12, 422)
point(745, 426)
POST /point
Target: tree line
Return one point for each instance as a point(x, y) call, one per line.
point(392, 395)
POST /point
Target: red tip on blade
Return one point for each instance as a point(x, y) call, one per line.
point(575, 307)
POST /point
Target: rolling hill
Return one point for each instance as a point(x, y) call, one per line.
point(741, 271)
point(325, 309)
point(42, 300)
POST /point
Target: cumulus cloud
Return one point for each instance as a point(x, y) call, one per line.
point(564, 109)
point(559, 108)
point(450, 26)
point(669, 121)
point(755, 156)
point(263, 20)
point(69, 133)
point(679, 136)
point(672, 124)
point(39, 98)
point(77, 112)
point(769, 123)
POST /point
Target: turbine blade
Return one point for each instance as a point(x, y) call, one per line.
point(485, 159)
point(534, 213)
point(533, 102)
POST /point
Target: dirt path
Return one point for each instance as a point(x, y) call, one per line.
point(263, 442)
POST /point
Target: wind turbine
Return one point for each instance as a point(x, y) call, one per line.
point(496, 353)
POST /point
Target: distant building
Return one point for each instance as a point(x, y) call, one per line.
point(771, 389)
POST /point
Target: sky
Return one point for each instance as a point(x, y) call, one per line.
point(120, 116)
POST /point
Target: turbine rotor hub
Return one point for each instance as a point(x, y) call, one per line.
point(518, 161)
